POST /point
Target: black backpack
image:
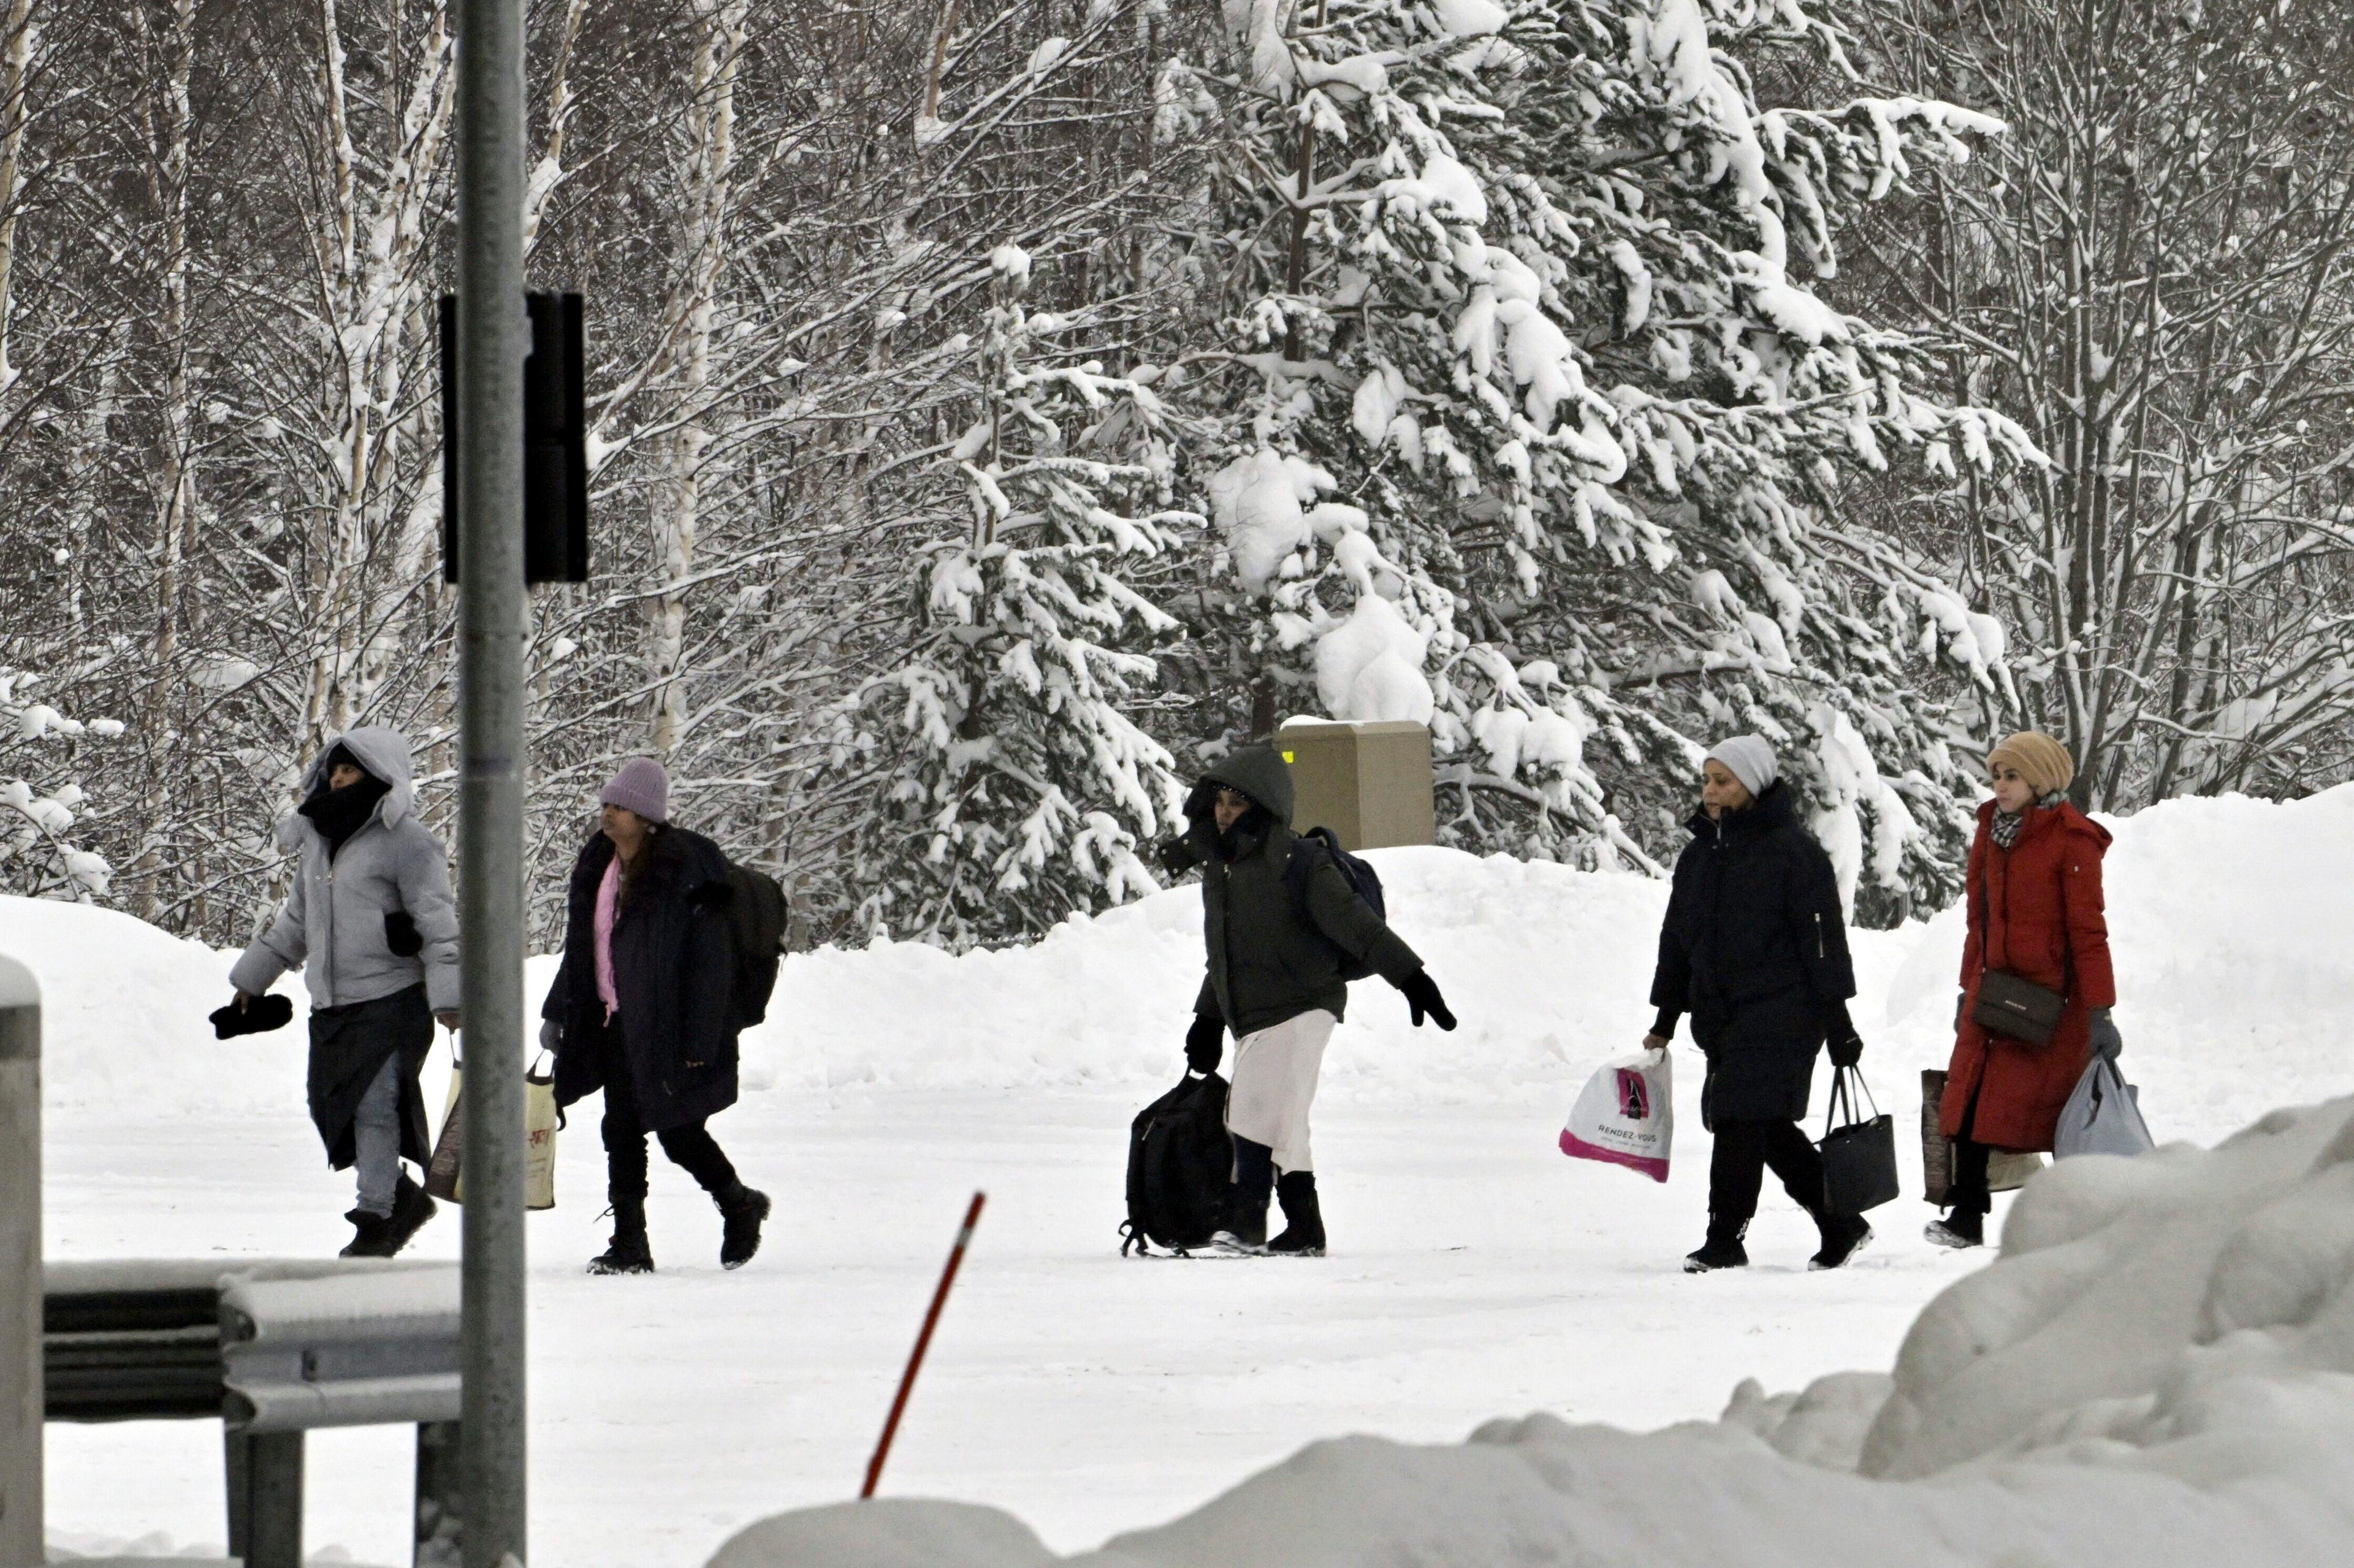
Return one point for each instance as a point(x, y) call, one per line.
point(1361, 878)
point(756, 916)
point(1179, 1168)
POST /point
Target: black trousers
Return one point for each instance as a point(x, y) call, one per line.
point(1966, 1192)
point(690, 1147)
point(1737, 1171)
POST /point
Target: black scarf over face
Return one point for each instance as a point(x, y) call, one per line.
point(340, 813)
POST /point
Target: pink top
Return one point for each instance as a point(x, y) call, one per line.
point(609, 904)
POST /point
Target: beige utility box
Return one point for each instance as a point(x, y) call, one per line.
point(1370, 783)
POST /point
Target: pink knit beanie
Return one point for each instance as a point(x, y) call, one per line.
point(641, 786)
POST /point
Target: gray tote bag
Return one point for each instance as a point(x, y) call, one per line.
point(2103, 1117)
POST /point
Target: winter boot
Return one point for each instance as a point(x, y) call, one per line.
point(1844, 1236)
point(368, 1235)
point(410, 1209)
point(1960, 1229)
point(1303, 1231)
point(629, 1254)
point(1245, 1232)
point(742, 1208)
point(1721, 1250)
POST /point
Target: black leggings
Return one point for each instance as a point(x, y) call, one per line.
point(1737, 1171)
point(689, 1146)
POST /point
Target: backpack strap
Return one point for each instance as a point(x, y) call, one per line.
point(1301, 865)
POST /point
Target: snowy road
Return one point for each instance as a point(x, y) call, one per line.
point(1478, 1273)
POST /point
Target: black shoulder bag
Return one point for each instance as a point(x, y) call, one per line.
point(1859, 1152)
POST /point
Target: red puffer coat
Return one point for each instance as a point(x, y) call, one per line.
point(2035, 912)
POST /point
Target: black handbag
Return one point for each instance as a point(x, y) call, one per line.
point(1858, 1153)
point(2017, 1009)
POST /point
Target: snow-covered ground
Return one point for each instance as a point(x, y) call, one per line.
point(1476, 1273)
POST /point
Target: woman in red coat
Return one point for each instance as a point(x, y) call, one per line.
point(2035, 911)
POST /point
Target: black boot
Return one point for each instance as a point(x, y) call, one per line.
point(629, 1254)
point(1844, 1235)
point(410, 1209)
point(1245, 1232)
point(1960, 1229)
point(742, 1208)
point(1303, 1230)
point(368, 1235)
point(1721, 1250)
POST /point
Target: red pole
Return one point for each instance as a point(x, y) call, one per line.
point(923, 1343)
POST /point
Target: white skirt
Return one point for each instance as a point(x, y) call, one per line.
point(1275, 1082)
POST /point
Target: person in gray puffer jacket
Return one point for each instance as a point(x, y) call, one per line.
point(371, 925)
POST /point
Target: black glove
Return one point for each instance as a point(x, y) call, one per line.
point(551, 1036)
point(400, 935)
point(1422, 996)
point(1206, 1044)
point(2107, 1040)
point(1175, 856)
point(260, 1016)
point(1847, 1048)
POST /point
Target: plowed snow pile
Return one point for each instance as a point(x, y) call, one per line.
point(2160, 1371)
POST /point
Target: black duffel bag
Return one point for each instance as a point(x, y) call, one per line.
point(1859, 1152)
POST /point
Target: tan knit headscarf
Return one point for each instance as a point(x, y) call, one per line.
point(2042, 761)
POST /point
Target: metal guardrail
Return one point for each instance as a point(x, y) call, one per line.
point(274, 1348)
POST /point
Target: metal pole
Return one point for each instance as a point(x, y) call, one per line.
point(492, 343)
point(23, 1543)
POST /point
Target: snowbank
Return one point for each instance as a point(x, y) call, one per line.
point(2212, 903)
point(2160, 1371)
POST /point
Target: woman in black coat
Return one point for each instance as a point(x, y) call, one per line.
point(1754, 947)
point(643, 1008)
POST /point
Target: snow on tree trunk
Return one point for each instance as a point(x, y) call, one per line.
point(710, 164)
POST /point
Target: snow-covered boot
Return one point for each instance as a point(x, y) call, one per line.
point(1844, 1236)
point(410, 1209)
point(742, 1208)
point(629, 1253)
point(368, 1235)
point(1303, 1231)
point(1721, 1250)
point(1961, 1228)
point(1245, 1232)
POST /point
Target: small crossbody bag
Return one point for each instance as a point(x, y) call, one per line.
point(2017, 1009)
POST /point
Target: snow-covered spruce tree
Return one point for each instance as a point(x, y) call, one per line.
point(1012, 789)
point(1522, 318)
point(39, 855)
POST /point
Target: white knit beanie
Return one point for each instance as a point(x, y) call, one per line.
point(1750, 759)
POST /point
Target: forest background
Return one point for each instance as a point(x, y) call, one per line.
point(999, 410)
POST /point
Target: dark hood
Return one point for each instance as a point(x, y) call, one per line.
point(1258, 771)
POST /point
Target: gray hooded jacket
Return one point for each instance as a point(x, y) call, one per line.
point(331, 927)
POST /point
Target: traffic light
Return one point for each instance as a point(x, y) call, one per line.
point(555, 444)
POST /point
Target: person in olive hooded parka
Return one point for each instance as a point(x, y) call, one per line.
point(1278, 919)
point(1754, 947)
point(644, 1009)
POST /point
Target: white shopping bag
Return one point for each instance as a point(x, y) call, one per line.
point(1626, 1115)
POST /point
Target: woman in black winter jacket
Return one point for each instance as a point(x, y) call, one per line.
point(1754, 947)
point(643, 1008)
